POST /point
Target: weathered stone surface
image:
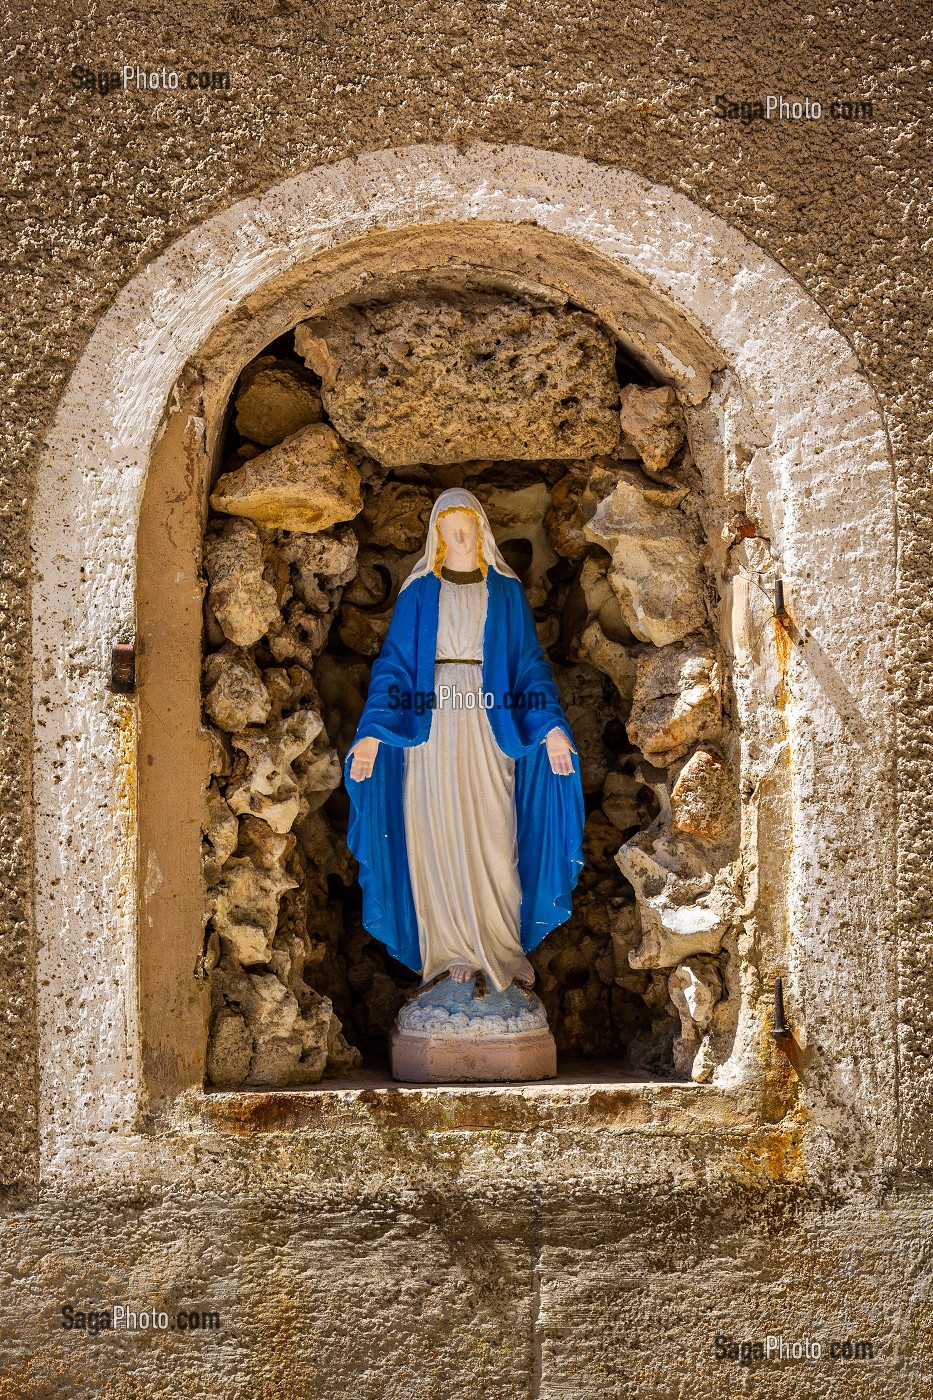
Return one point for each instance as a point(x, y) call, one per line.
point(519, 515)
point(220, 760)
point(397, 515)
point(684, 907)
point(318, 773)
point(221, 835)
point(601, 602)
point(269, 789)
point(653, 421)
point(299, 635)
point(272, 1015)
point(290, 688)
point(245, 908)
point(582, 696)
point(268, 850)
point(703, 798)
point(616, 662)
point(363, 631)
point(306, 483)
point(341, 1056)
point(341, 682)
point(655, 570)
point(694, 988)
point(234, 694)
point(276, 398)
point(620, 800)
point(243, 603)
point(321, 564)
point(229, 1050)
point(574, 501)
point(676, 701)
point(466, 378)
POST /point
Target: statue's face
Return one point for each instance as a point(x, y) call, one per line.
point(460, 533)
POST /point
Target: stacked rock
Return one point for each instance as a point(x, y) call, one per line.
point(331, 471)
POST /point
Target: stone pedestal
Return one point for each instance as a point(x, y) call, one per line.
point(450, 1033)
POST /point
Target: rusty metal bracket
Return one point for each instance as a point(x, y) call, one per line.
point(123, 668)
point(781, 1029)
point(779, 609)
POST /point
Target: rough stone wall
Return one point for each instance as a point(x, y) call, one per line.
point(97, 186)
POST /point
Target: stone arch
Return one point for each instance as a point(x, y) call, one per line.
point(781, 417)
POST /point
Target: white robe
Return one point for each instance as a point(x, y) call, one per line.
point(459, 808)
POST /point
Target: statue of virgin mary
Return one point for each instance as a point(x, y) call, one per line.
point(466, 804)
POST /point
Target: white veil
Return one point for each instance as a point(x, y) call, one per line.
point(457, 498)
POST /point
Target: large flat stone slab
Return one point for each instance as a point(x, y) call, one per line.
point(423, 380)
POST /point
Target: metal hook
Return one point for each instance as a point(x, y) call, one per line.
point(781, 1029)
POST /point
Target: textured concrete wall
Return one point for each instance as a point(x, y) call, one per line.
point(554, 1278)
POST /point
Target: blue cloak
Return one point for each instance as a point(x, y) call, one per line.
point(549, 806)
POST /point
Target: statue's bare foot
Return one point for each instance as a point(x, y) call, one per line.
point(525, 974)
point(461, 972)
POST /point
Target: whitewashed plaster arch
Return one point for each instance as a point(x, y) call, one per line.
point(818, 474)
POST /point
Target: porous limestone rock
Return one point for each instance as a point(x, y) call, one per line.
point(620, 800)
point(269, 789)
point(306, 483)
point(676, 701)
point(299, 635)
point(615, 661)
point(229, 1050)
point(242, 601)
point(318, 773)
point(684, 907)
point(519, 515)
point(276, 398)
point(245, 908)
point(273, 1017)
point(694, 988)
point(268, 850)
point(655, 568)
point(321, 565)
point(234, 694)
point(582, 692)
point(703, 797)
point(290, 688)
point(330, 554)
point(574, 501)
point(219, 761)
point(397, 515)
point(602, 605)
point(625, 935)
point(423, 379)
point(653, 421)
point(221, 833)
point(341, 1057)
point(363, 631)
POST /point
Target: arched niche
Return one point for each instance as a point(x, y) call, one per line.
point(781, 419)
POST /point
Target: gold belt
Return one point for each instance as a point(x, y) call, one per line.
point(457, 661)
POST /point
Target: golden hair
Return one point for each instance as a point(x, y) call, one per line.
point(442, 547)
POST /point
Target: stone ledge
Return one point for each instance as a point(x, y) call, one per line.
point(602, 1099)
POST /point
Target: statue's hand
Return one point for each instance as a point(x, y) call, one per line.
point(364, 756)
point(559, 749)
